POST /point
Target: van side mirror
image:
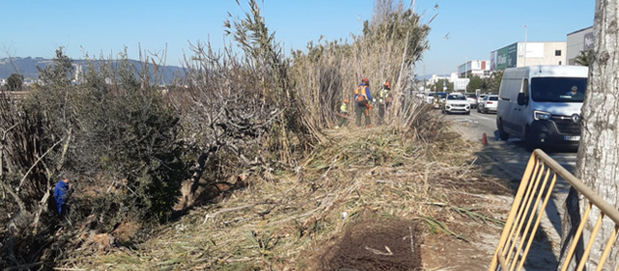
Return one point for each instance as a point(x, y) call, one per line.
point(523, 99)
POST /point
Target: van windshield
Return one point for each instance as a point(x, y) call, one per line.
point(558, 89)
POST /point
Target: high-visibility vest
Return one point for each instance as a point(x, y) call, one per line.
point(344, 108)
point(361, 91)
point(384, 95)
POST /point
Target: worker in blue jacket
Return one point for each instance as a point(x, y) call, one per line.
point(362, 99)
point(61, 194)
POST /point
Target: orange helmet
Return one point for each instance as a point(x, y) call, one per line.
point(345, 101)
point(387, 84)
point(365, 81)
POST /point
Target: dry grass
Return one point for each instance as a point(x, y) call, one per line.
point(284, 224)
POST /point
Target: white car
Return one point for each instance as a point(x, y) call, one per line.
point(429, 98)
point(488, 104)
point(456, 103)
point(472, 99)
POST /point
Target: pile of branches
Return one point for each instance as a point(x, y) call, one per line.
point(131, 144)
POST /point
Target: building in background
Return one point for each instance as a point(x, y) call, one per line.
point(522, 54)
point(460, 84)
point(479, 68)
point(578, 41)
point(435, 78)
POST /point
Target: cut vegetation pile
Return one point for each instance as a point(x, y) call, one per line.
point(363, 185)
point(234, 166)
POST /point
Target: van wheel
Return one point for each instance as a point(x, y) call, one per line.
point(502, 134)
point(532, 139)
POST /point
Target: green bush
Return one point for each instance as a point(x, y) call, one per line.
point(132, 134)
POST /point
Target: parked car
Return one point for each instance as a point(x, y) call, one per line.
point(472, 99)
point(541, 104)
point(488, 104)
point(456, 103)
point(429, 98)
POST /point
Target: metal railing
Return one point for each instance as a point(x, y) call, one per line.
point(529, 204)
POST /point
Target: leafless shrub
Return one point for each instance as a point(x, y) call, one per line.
point(239, 112)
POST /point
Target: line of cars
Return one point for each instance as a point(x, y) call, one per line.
point(457, 102)
point(540, 105)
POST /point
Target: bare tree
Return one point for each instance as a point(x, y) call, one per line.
point(598, 156)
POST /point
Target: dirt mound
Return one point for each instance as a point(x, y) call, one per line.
point(375, 245)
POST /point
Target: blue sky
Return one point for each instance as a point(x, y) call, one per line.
point(473, 28)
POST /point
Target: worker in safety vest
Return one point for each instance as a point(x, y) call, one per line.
point(343, 114)
point(362, 102)
point(384, 101)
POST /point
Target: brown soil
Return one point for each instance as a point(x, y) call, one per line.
point(375, 245)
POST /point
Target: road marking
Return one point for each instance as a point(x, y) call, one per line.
point(483, 117)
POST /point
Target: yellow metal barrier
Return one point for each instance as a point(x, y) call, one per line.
point(529, 204)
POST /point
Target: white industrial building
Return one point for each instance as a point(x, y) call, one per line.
point(579, 41)
point(479, 68)
point(459, 83)
point(520, 54)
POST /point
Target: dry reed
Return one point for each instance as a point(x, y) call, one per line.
point(284, 223)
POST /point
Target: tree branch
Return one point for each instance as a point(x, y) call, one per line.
point(21, 182)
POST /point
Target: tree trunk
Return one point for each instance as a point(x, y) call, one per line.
point(598, 155)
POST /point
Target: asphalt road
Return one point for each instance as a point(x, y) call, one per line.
point(474, 125)
point(507, 160)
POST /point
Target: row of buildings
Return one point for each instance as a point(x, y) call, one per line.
point(519, 54)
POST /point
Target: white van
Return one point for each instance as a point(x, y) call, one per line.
point(541, 104)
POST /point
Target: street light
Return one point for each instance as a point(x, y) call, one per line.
point(525, 44)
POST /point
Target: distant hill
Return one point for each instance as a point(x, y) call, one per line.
point(27, 66)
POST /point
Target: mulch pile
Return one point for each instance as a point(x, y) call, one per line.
point(375, 245)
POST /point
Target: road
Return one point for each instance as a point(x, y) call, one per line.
point(507, 160)
point(474, 125)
